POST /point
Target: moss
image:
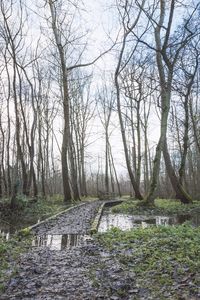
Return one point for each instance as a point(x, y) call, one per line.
point(25, 232)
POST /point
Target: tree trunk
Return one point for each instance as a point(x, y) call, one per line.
point(106, 161)
point(1, 188)
point(66, 131)
point(115, 172)
point(17, 125)
point(74, 176)
point(131, 175)
point(116, 78)
point(178, 188)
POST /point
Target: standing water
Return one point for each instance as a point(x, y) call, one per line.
point(60, 241)
point(12, 225)
point(127, 222)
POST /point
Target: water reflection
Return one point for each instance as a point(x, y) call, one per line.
point(6, 229)
point(60, 241)
point(12, 225)
point(5, 234)
point(122, 221)
point(196, 220)
point(127, 222)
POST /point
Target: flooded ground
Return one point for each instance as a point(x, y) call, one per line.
point(60, 241)
point(127, 222)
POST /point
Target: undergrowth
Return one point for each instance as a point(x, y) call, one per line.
point(166, 260)
point(162, 206)
point(28, 209)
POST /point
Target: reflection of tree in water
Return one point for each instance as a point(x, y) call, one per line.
point(64, 241)
point(162, 221)
point(182, 218)
point(196, 219)
point(122, 221)
point(7, 228)
point(69, 240)
point(61, 242)
point(50, 242)
point(41, 241)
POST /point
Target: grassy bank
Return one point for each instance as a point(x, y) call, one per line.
point(166, 260)
point(162, 207)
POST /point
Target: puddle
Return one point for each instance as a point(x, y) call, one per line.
point(122, 221)
point(127, 222)
point(60, 241)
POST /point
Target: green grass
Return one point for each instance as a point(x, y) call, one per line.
point(163, 258)
point(162, 206)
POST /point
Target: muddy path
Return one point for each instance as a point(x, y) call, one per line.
point(82, 271)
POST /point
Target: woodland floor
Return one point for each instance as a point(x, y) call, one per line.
point(94, 269)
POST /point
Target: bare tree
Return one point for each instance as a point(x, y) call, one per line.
point(127, 28)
